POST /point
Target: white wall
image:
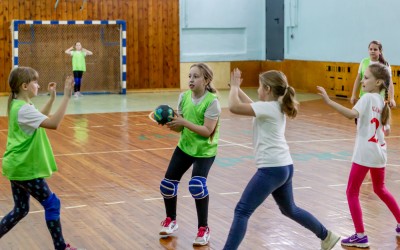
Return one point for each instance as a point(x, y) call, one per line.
point(340, 30)
point(323, 30)
point(222, 30)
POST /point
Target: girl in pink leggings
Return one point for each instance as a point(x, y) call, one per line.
point(373, 115)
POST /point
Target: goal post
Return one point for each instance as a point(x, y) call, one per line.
point(41, 44)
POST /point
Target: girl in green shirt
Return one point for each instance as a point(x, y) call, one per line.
point(29, 158)
point(78, 64)
point(197, 121)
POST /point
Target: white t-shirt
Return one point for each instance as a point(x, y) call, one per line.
point(370, 145)
point(271, 149)
point(29, 118)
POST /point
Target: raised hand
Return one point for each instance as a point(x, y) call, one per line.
point(322, 92)
point(236, 79)
point(69, 83)
point(51, 87)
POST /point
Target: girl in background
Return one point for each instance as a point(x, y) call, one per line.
point(78, 65)
point(375, 56)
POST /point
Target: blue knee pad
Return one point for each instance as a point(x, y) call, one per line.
point(169, 188)
point(52, 206)
point(198, 187)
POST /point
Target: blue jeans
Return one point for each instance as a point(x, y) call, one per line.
point(278, 182)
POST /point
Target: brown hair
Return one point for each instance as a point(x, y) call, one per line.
point(277, 81)
point(208, 76)
point(381, 57)
point(381, 72)
point(17, 77)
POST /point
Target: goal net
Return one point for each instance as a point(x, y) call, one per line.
point(42, 44)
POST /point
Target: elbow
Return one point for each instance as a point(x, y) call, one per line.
point(351, 117)
point(53, 126)
point(233, 108)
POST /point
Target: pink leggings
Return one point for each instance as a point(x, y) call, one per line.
point(357, 175)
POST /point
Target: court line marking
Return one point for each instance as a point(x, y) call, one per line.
point(302, 188)
point(78, 206)
point(236, 144)
point(115, 202)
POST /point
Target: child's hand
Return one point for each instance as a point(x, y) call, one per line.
point(236, 79)
point(322, 92)
point(69, 82)
point(176, 124)
point(52, 89)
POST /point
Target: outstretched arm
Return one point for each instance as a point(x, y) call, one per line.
point(349, 113)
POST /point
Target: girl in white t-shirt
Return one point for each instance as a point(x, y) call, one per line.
point(373, 114)
point(273, 160)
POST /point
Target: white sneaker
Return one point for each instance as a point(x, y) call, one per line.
point(330, 241)
point(168, 227)
point(203, 236)
point(76, 95)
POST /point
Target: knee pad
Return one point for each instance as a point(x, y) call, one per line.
point(78, 81)
point(52, 206)
point(198, 187)
point(169, 188)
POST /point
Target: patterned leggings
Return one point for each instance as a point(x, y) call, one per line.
point(22, 190)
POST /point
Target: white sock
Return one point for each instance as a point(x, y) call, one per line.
point(360, 235)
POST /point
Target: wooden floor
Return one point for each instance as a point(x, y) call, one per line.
point(110, 167)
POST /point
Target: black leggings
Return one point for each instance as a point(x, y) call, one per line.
point(78, 80)
point(179, 164)
point(21, 191)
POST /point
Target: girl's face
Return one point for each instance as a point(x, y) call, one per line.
point(197, 83)
point(78, 46)
point(374, 52)
point(369, 83)
point(32, 88)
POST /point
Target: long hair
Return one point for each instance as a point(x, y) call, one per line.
point(17, 77)
point(208, 76)
point(381, 57)
point(381, 72)
point(277, 81)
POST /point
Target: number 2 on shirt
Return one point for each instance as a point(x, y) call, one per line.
point(373, 138)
